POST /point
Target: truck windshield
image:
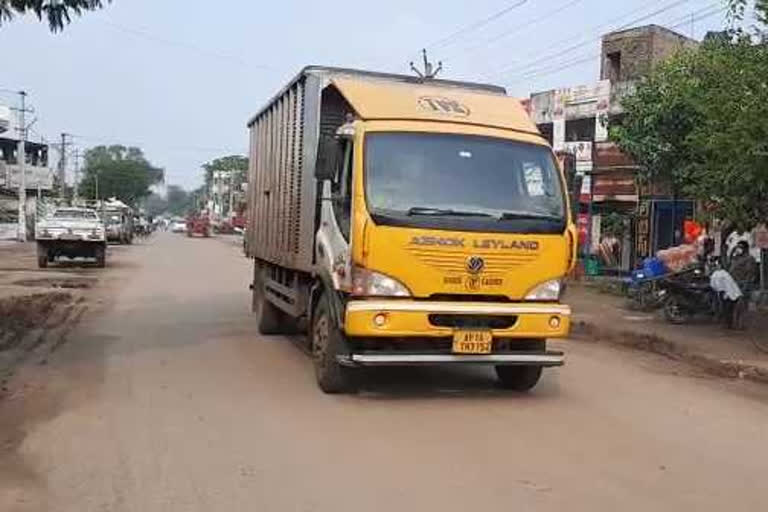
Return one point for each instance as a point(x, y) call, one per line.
point(462, 182)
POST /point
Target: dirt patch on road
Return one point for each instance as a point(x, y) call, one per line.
point(35, 323)
point(66, 282)
point(730, 369)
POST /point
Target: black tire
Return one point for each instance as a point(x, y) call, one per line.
point(42, 256)
point(327, 343)
point(518, 378)
point(269, 318)
point(674, 312)
point(101, 257)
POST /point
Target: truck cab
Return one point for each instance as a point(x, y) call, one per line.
point(442, 234)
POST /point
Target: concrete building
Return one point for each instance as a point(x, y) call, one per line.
point(38, 174)
point(575, 120)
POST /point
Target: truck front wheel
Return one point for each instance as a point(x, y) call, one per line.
point(518, 378)
point(328, 342)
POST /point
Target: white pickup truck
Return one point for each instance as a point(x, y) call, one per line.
point(71, 232)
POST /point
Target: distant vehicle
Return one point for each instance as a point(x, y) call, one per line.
point(119, 224)
point(71, 232)
point(198, 225)
point(178, 226)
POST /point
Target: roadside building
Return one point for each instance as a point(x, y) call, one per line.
point(618, 220)
point(38, 174)
point(226, 195)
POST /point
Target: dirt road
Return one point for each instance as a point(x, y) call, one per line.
point(166, 399)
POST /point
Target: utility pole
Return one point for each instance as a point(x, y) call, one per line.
point(63, 165)
point(22, 161)
point(76, 179)
point(430, 72)
point(231, 191)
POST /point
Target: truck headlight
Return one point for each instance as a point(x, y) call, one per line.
point(367, 283)
point(546, 291)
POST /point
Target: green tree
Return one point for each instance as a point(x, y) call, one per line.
point(118, 171)
point(238, 163)
point(700, 122)
point(58, 13)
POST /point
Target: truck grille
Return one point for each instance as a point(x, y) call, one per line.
point(473, 321)
point(455, 261)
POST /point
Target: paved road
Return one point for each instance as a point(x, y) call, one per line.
point(168, 400)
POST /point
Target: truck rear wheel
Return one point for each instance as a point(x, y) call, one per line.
point(42, 256)
point(269, 318)
point(327, 343)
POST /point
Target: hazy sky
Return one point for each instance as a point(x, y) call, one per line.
point(180, 78)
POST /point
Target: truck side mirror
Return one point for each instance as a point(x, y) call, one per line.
point(328, 156)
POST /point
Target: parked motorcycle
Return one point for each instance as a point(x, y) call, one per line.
point(689, 293)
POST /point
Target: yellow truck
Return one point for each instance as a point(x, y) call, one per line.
point(402, 221)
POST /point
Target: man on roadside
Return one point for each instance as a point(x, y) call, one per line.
point(743, 267)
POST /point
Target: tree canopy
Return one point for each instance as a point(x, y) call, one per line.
point(118, 171)
point(238, 163)
point(58, 13)
point(700, 121)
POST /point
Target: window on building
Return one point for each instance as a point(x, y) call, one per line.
point(580, 130)
point(614, 66)
point(547, 131)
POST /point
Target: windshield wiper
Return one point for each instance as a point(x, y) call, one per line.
point(529, 215)
point(422, 210)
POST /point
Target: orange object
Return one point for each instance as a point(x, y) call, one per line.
point(691, 231)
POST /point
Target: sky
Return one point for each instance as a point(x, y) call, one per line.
point(180, 78)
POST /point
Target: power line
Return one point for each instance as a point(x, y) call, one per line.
point(441, 43)
point(572, 48)
point(108, 140)
point(143, 34)
point(699, 15)
point(544, 17)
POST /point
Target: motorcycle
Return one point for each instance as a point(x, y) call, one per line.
point(689, 293)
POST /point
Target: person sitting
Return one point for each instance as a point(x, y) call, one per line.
point(743, 267)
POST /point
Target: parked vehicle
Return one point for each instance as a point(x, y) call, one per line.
point(691, 293)
point(71, 232)
point(407, 222)
point(119, 224)
point(178, 226)
point(198, 225)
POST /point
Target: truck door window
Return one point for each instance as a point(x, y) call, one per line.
point(342, 191)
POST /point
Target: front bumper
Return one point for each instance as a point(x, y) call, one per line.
point(411, 318)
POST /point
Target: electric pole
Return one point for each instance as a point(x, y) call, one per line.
point(63, 165)
point(231, 191)
point(76, 178)
point(22, 161)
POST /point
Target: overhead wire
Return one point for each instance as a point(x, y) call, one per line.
point(702, 14)
point(635, 21)
point(522, 26)
point(441, 43)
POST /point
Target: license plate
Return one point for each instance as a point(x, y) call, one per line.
point(472, 342)
point(69, 236)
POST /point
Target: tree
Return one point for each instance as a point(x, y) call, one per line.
point(58, 13)
point(238, 163)
point(118, 171)
point(700, 122)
